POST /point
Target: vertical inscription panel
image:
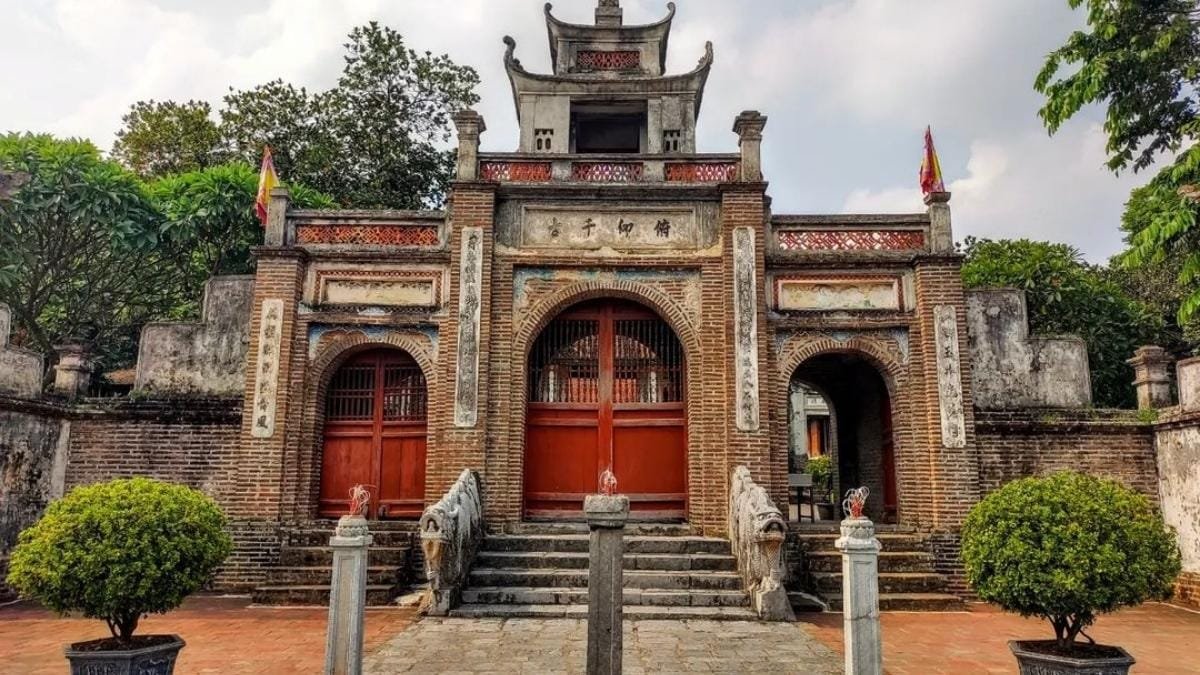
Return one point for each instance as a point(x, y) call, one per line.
point(950, 393)
point(266, 377)
point(745, 322)
point(466, 385)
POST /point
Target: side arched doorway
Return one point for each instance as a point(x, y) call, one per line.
point(606, 392)
point(375, 435)
point(839, 407)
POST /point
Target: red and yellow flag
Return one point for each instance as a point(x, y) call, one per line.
point(931, 168)
point(267, 179)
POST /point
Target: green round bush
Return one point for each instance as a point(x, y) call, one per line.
point(119, 550)
point(1066, 548)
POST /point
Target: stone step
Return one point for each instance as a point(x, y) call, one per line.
point(889, 561)
point(908, 602)
point(666, 580)
point(631, 530)
point(321, 556)
point(377, 575)
point(828, 583)
point(578, 543)
point(378, 595)
point(482, 595)
point(633, 561)
point(634, 612)
point(391, 537)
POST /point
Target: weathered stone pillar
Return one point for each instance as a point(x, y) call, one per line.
point(347, 597)
point(606, 517)
point(941, 235)
point(749, 127)
point(1187, 378)
point(470, 125)
point(73, 372)
point(608, 13)
point(276, 227)
point(1152, 377)
point(860, 597)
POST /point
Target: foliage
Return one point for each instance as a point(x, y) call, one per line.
point(372, 141)
point(209, 224)
point(821, 470)
point(119, 550)
point(1065, 295)
point(1066, 548)
point(78, 247)
point(161, 138)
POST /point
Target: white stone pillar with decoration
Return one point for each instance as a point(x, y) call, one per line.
point(860, 589)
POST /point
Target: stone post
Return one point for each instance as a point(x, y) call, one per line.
point(73, 372)
point(606, 517)
point(860, 597)
point(347, 597)
point(276, 228)
point(1152, 377)
point(608, 13)
point(470, 125)
point(1187, 379)
point(941, 235)
point(749, 127)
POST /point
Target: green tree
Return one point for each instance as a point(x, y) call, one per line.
point(1141, 60)
point(79, 248)
point(160, 138)
point(1065, 295)
point(209, 224)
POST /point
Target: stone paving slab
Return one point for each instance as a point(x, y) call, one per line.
point(549, 646)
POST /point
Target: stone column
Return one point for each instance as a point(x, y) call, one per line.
point(749, 127)
point(73, 372)
point(606, 516)
point(1187, 378)
point(347, 597)
point(1152, 377)
point(941, 236)
point(608, 13)
point(276, 228)
point(470, 125)
point(860, 597)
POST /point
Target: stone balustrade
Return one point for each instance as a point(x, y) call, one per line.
point(842, 234)
point(610, 169)
point(757, 531)
point(451, 532)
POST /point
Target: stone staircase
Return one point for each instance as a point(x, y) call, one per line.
point(907, 580)
point(541, 571)
point(306, 565)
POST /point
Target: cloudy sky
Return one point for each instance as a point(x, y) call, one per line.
point(848, 85)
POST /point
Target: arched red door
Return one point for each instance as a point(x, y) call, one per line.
point(375, 435)
point(606, 385)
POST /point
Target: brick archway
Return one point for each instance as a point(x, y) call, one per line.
point(302, 467)
point(506, 464)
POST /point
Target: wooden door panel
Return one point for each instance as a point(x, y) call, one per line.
point(560, 464)
point(346, 463)
point(402, 472)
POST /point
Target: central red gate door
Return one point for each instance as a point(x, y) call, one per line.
point(375, 436)
point(606, 392)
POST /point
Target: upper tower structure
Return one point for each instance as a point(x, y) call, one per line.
point(609, 92)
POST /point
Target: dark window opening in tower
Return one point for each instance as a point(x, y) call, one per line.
point(618, 127)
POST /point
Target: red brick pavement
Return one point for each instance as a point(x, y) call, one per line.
point(223, 635)
point(1164, 639)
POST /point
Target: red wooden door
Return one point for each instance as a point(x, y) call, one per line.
point(890, 501)
point(375, 436)
point(606, 392)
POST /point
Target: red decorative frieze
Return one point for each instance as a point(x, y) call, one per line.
point(609, 60)
point(515, 172)
point(851, 240)
point(368, 235)
point(607, 172)
point(701, 172)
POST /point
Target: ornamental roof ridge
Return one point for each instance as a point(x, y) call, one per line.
point(658, 31)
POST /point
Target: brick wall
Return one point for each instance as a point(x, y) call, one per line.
point(1187, 589)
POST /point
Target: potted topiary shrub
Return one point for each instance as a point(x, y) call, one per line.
point(1066, 548)
point(117, 551)
point(821, 470)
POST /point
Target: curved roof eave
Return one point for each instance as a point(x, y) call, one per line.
point(523, 80)
point(660, 30)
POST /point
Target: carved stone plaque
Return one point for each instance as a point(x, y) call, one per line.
point(266, 377)
point(625, 230)
point(381, 292)
point(849, 293)
point(466, 386)
point(745, 324)
point(950, 393)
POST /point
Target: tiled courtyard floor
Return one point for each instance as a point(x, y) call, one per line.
point(225, 636)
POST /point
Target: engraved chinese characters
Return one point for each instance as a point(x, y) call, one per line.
point(469, 300)
point(665, 229)
point(745, 322)
point(950, 393)
point(266, 378)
